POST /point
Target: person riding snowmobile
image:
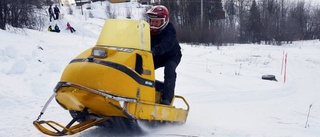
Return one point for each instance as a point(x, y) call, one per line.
point(165, 49)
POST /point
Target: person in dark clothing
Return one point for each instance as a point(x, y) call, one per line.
point(56, 11)
point(56, 28)
point(165, 49)
point(51, 13)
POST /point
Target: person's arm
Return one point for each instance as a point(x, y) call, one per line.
point(166, 43)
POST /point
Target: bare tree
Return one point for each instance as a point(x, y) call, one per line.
point(254, 24)
point(243, 9)
point(270, 20)
point(110, 13)
point(19, 13)
point(3, 14)
point(230, 33)
point(316, 23)
point(128, 13)
point(297, 20)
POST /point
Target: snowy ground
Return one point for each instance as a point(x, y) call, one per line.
point(223, 86)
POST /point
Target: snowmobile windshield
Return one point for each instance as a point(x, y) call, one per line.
point(123, 33)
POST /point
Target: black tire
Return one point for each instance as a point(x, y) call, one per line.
point(121, 124)
point(269, 77)
point(116, 124)
point(75, 114)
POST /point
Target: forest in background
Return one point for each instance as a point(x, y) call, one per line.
point(246, 21)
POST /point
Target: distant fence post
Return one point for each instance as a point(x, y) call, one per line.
point(285, 68)
point(282, 61)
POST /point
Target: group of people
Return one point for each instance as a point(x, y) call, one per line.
point(57, 29)
point(54, 13)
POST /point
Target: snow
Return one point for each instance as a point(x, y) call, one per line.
point(223, 86)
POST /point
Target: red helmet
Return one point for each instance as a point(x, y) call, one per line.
point(158, 12)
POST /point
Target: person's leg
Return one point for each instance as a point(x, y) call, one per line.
point(158, 63)
point(57, 16)
point(169, 81)
point(54, 17)
point(158, 85)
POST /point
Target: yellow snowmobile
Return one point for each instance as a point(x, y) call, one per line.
point(112, 84)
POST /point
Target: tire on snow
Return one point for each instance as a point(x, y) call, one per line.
point(269, 77)
point(116, 124)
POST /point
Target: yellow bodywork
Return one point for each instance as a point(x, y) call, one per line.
point(121, 83)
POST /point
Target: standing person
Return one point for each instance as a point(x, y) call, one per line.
point(165, 49)
point(51, 13)
point(70, 28)
point(56, 11)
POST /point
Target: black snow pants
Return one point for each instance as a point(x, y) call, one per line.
point(52, 16)
point(170, 76)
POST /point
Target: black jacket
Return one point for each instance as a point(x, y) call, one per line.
point(56, 10)
point(50, 10)
point(165, 45)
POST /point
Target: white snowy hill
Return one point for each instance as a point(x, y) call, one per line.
point(223, 85)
